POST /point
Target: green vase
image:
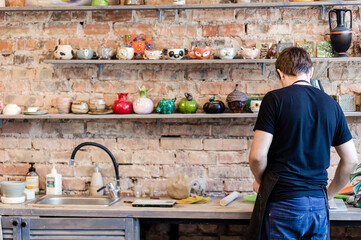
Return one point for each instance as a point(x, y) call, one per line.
point(100, 2)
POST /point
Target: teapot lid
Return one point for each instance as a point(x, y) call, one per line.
point(236, 96)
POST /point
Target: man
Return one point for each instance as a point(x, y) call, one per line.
point(290, 153)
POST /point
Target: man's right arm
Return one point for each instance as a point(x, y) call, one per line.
point(346, 166)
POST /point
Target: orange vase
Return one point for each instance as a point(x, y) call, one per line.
point(15, 3)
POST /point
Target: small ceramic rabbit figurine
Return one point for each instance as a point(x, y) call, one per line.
point(249, 53)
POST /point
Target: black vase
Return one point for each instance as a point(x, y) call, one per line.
point(341, 36)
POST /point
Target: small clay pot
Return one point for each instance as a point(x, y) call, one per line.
point(237, 101)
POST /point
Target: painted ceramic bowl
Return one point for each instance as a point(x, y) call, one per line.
point(63, 52)
point(12, 188)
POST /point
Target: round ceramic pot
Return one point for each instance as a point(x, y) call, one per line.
point(125, 53)
point(106, 53)
point(79, 107)
point(97, 104)
point(11, 109)
point(214, 106)
point(100, 2)
point(152, 55)
point(85, 54)
point(63, 52)
point(249, 53)
point(12, 188)
point(226, 53)
point(175, 53)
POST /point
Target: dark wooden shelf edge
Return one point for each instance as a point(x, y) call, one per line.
point(187, 6)
point(207, 61)
point(133, 116)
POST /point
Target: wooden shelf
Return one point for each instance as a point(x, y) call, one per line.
point(146, 116)
point(187, 6)
point(183, 61)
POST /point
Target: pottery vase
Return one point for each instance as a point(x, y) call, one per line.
point(122, 105)
point(166, 106)
point(341, 36)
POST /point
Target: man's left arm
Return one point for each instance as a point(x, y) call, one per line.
point(258, 155)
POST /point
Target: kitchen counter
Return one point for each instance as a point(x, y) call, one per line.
point(237, 210)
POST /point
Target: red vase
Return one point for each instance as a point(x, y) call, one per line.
point(122, 105)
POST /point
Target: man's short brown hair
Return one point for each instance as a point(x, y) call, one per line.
point(294, 61)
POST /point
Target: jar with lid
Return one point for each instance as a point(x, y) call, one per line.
point(237, 101)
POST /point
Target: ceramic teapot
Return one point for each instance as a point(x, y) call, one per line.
point(175, 53)
point(200, 53)
point(125, 53)
point(122, 105)
point(63, 52)
point(249, 53)
point(214, 106)
point(166, 106)
point(11, 109)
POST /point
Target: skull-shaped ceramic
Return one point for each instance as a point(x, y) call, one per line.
point(175, 53)
point(152, 55)
point(200, 53)
point(125, 53)
point(63, 52)
point(226, 53)
point(249, 53)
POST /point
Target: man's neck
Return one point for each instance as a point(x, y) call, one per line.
point(289, 80)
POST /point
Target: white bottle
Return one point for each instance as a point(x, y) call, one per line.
point(53, 183)
point(96, 182)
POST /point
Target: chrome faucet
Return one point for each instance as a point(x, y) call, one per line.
point(113, 192)
point(115, 164)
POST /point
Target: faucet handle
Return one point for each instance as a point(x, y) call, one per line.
point(113, 192)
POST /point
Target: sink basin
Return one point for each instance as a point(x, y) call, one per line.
point(78, 201)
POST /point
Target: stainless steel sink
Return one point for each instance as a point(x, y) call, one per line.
point(78, 201)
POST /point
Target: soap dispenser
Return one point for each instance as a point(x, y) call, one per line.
point(53, 183)
point(96, 182)
point(32, 179)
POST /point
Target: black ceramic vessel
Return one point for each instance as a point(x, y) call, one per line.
point(341, 36)
point(214, 106)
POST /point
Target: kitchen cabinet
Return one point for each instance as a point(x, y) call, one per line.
point(25, 228)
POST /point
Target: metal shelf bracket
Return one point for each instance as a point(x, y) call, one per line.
point(263, 65)
point(160, 15)
point(159, 123)
point(101, 67)
point(323, 10)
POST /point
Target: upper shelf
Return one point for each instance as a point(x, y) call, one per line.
point(187, 6)
point(146, 116)
point(206, 61)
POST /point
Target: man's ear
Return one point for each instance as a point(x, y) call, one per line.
point(311, 73)
point(281, 74)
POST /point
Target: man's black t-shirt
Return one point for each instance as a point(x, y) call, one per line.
point(305, 123)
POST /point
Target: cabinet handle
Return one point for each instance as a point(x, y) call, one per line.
point(23, 224)
point(15, 223)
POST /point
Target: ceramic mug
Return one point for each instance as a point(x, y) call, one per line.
point(63, 52)
point(85, 53)
point(152, 55)
point(226, 53)
point(79, 107)
point(12, 109)
point(97, 104)
point(175, 53)
point(255, 105)
point(63, 104)
point(106, 53)
point(125, 53)
point(249, 53)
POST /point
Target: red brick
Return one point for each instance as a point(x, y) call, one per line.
point(232, 157)
point(210, 30)
point(82, 86)
point(28, 16)
point(137, 144)
point(13, 168)
point(57, 16)
point(74, 73)
point(196, 158)
point(112, 16)
point(235, 171)
point(96, 29)
point(73, 184)
point(316, 29)
point(166, 42)
point(248, 74)
point(131, 29)
point(243, 185)
point(213, 15)
point(175, 170)
point(16, 127)
point(139, 171)
point(7, 46)
point(186, 129)
point(225, 144)
point(179, 31)
point(61, 29)
point(231, 30)
point(77, 43)
point(12, 31)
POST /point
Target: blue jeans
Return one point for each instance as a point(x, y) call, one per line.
point(296, 218)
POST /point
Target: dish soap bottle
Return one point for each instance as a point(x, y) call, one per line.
point(96, 182)
point(32, 179)
point(53, 183)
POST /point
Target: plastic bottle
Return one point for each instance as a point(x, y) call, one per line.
point(96, 182)
point(53, 183)
point(32, 179)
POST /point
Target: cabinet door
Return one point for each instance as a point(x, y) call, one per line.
point(78, 228)
point(10, 227)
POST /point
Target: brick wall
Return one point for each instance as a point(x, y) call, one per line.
point(216, 149)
